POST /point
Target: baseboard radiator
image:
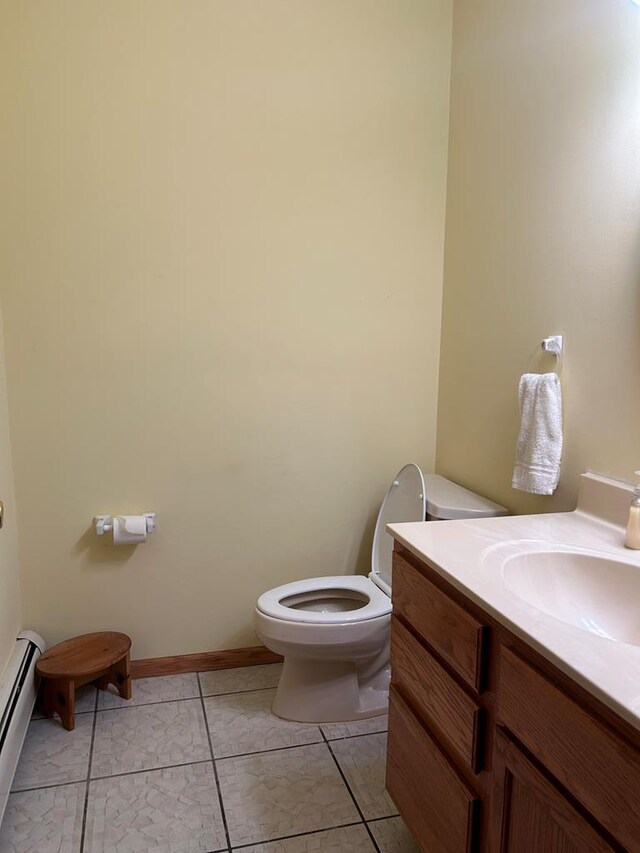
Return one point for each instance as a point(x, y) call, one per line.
point(17, 698)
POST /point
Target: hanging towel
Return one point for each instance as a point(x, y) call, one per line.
point(539, 450)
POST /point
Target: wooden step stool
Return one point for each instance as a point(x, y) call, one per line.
point(101, 658)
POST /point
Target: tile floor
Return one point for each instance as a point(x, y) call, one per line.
point(198, 764)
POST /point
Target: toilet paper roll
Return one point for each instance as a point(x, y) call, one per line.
point(129, 529)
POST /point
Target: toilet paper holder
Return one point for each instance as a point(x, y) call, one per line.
point(104, 523)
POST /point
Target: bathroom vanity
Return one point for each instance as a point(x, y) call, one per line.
point(512, 729)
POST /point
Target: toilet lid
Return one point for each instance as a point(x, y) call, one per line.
point(405, 500)
point(279, 603)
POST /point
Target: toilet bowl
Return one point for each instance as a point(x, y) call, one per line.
point(334, 631)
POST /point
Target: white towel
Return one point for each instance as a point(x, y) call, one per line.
point(539, 450)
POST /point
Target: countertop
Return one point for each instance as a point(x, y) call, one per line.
point(469, 555)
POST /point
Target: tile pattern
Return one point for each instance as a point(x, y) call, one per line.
point(240, 679)
point(175, 809)
point(164, 688)
point(149, 736)
point(240, 723)
point(392, 836)
point(363, 762)
point(350, 839)
point(275, 794)
point(372, 725)
point(53, 756)
point(47, 820)
point(154, 786)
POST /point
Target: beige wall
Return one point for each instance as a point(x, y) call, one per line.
point(543, 222)
point(10, 604)
point(222, 296)
point(10, 599)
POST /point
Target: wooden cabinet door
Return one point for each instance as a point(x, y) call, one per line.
point(570, 742)
point(531, 815)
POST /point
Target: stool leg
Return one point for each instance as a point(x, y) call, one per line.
point(119, 675)
point(45, 698)
point(123, 676)
point(58, 697)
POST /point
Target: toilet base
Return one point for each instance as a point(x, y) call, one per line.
point(313, 691)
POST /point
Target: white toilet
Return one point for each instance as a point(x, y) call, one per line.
point(333, 632)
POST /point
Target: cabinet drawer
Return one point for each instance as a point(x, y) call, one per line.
point(437, 806)
point(570, 744)
point(447, 627)
point(443, 703)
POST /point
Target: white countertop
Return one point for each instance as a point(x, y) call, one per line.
point(469, 555)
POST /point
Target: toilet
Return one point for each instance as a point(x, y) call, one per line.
point(334, 631)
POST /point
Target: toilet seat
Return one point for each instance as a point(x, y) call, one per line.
point(346, 587)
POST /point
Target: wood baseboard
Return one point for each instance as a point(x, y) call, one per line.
point(202, 661)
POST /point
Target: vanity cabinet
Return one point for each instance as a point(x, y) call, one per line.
point(491, 748)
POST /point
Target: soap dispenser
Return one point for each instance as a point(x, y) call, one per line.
point(632, 539)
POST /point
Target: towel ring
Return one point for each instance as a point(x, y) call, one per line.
point(555, 346)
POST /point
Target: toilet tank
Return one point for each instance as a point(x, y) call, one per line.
point(447, 501)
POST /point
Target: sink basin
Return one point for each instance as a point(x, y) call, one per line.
point(597, 594)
